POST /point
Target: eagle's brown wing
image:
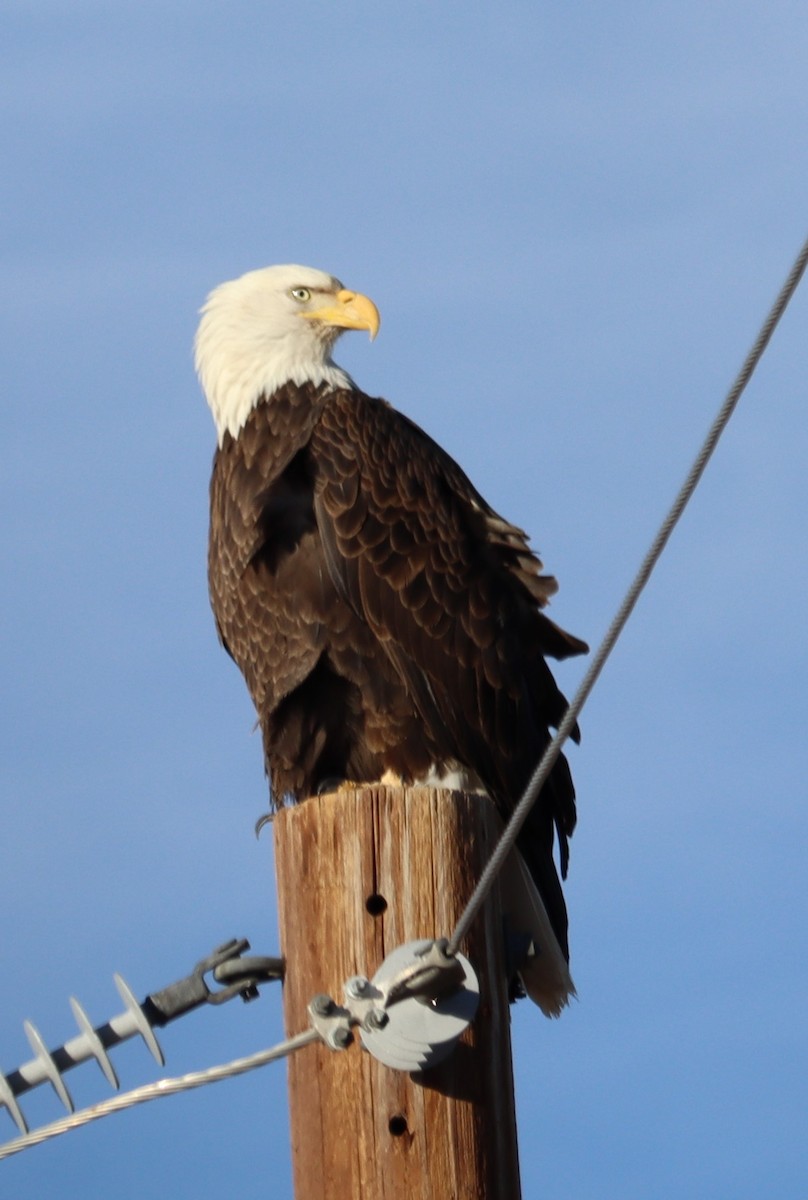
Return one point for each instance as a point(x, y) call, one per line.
point(453, 594)
point(330, 703)
point(256, 519)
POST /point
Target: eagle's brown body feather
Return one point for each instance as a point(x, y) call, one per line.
point(383, 615)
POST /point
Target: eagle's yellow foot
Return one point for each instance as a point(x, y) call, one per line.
point(335, 784)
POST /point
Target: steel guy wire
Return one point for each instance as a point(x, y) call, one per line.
point(163, 1087)
point(565, 728)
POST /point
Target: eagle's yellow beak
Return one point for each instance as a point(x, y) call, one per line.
point(350, 310)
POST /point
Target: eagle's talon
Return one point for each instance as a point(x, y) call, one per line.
point(265, 819)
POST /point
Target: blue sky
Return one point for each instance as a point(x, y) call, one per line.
point(573, 220)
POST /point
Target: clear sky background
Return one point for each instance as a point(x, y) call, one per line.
point(573, 219)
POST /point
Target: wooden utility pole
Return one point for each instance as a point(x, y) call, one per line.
point(359, 873)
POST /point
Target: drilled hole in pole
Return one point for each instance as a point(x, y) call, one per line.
point(376, 904)
point(397, 1125)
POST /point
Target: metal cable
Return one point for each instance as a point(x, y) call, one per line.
point(163, 1087)
point(539, 777)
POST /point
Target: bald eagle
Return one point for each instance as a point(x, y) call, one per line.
point(385, 618)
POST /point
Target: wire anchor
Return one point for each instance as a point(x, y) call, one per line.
point(413, 1011)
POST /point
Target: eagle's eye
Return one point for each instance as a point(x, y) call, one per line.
point(301, 294)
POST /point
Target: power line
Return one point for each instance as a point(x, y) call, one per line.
point(567, 725)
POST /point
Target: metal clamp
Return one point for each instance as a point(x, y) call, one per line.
point(240, 977)
point(432, 973)
point(411, 1014)
point(332, 1022)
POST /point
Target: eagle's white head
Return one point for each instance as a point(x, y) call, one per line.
point(270, 327)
